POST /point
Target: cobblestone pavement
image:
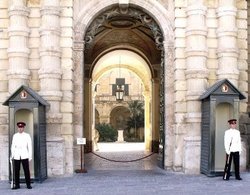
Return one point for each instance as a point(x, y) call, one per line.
point(139, 177)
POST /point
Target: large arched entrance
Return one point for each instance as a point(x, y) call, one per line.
point(133, 70)
point(126, 27)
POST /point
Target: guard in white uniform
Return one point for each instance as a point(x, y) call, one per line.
point(232, 143)
point(21, 152)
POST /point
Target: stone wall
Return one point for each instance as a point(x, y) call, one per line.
point(203, 55)
point(36, 39)
point(4, 130)
point(41, 45)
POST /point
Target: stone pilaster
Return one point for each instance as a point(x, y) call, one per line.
point(248, 61)
point(78, 85)
point(4, 147)
point(191, 159)
point(50, 74)
point(78, 93)
point(18, 52)
point(147, 123)
point(196, 59)
point(227, 41)
point(174, 139)
point(169, 102)
point(196, 78)
point(50, 71)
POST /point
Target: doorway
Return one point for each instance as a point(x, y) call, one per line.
point(27, 117)
point(224, 112)
point(133, 113)
point(114, 28)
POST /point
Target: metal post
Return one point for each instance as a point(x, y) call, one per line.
point(82, 170)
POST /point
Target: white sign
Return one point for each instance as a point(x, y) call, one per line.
point(81, 141)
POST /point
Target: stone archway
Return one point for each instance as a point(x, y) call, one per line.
point(161, 16)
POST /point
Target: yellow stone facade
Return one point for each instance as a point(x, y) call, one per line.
point(42, 46)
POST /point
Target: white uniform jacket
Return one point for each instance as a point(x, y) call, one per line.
point(232, 141)
point(21, 147)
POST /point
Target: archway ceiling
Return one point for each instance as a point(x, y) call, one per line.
point(123, 59)
point(123, 32)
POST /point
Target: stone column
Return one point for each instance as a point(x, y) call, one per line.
point(196, 59)
point(147, 124)
point(78, 87)
point(50, 74)
point(155, 113)
point(196, 76)
point(169, 90)
point(18, 52)
point(248, 45)
point(92, 118)
point(78, 94)
point(227, 41)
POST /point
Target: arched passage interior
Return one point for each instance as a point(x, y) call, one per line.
point(127, 64)
point(146, 39)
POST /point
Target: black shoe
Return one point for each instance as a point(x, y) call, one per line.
point(16, 187)
point(238, 178)
point(29, 187)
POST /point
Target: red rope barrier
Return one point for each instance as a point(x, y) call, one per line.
point(122, 161)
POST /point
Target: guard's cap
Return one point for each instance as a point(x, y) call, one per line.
point(232, 121)
point(21, 124)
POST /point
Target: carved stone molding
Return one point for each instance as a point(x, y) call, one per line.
point(132, 12)
point(18, 74)
point(18, 31)
point(78, 45)
point(50, 10)
point(50, 51)
point(19, 11)
point(50, 30)
point(51, 95)
point(18, 52)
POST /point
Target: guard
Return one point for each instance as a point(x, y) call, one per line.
point(21, 152)
point(232, 144)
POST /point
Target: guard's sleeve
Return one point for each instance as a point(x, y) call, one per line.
point(240, 147)
point(29, 147)
point(226, 142)
point(12, 148)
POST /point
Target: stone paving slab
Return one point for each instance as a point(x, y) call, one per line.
point(143, 177)
point(108, 161)
point(137, 182)
point(156, 181)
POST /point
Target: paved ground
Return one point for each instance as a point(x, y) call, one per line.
point(139, 177)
